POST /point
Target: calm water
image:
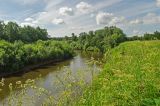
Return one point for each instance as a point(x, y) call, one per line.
point(50, 72)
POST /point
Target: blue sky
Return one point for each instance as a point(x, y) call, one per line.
point(63, 17)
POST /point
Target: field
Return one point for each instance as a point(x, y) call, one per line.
point(131, 77)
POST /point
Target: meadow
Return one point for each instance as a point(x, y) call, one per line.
point(131, 77)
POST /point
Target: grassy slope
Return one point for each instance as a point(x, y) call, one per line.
point(131, 77)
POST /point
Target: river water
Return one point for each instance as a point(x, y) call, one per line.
point(48, 74)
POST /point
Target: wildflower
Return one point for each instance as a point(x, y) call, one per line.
point(18, 82)
point(41, 89)
point(34, 87)
point(10, 86)
point(2, 82)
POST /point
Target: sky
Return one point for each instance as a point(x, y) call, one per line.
point(63, 17)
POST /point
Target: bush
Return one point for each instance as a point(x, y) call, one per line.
point(14, 56)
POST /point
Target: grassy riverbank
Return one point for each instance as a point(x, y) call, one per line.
point(15, 57)
point(131, 77)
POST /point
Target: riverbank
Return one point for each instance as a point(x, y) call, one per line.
point(130, 77)
point(31, 68)
point(48, 77)
point(19, 57)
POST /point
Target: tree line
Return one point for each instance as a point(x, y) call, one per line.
point(12, 32)
point(22, 46)
point(98, 40)
point(17, 55)
point(146, 36)
point(103, 39)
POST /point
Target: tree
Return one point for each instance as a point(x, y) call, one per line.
point(74, 37)
point(12, 32)
point(2, 25)
point(102, 38)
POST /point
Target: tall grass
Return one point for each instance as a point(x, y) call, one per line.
point(131, 77)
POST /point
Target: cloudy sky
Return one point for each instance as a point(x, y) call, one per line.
point(62, 17)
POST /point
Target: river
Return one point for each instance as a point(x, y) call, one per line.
point(48, 74)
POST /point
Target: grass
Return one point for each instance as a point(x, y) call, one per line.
point(131, 77)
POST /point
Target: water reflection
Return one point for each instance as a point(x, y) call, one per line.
point(50, 72)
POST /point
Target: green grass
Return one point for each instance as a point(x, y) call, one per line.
point(131, 77)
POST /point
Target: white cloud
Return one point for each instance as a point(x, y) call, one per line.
point(29, 19)
point(43, 17)
point(58, 21)
point(151, 18)
point(6, 22)
point(28, 24)
point(77, 28)
point(46, 16)
point(116, 20)
point(50, 12)
point(158, 3)
point(137, 21)
point(35, 22)
point(136, 32)
point(65, 11)
point(103, 18)
point(108, 19)
point(84, 7)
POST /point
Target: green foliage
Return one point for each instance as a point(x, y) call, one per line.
point(12, 32)
point(154, 36)
point(14, 56)
point(130, 77)
point(99, 40)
